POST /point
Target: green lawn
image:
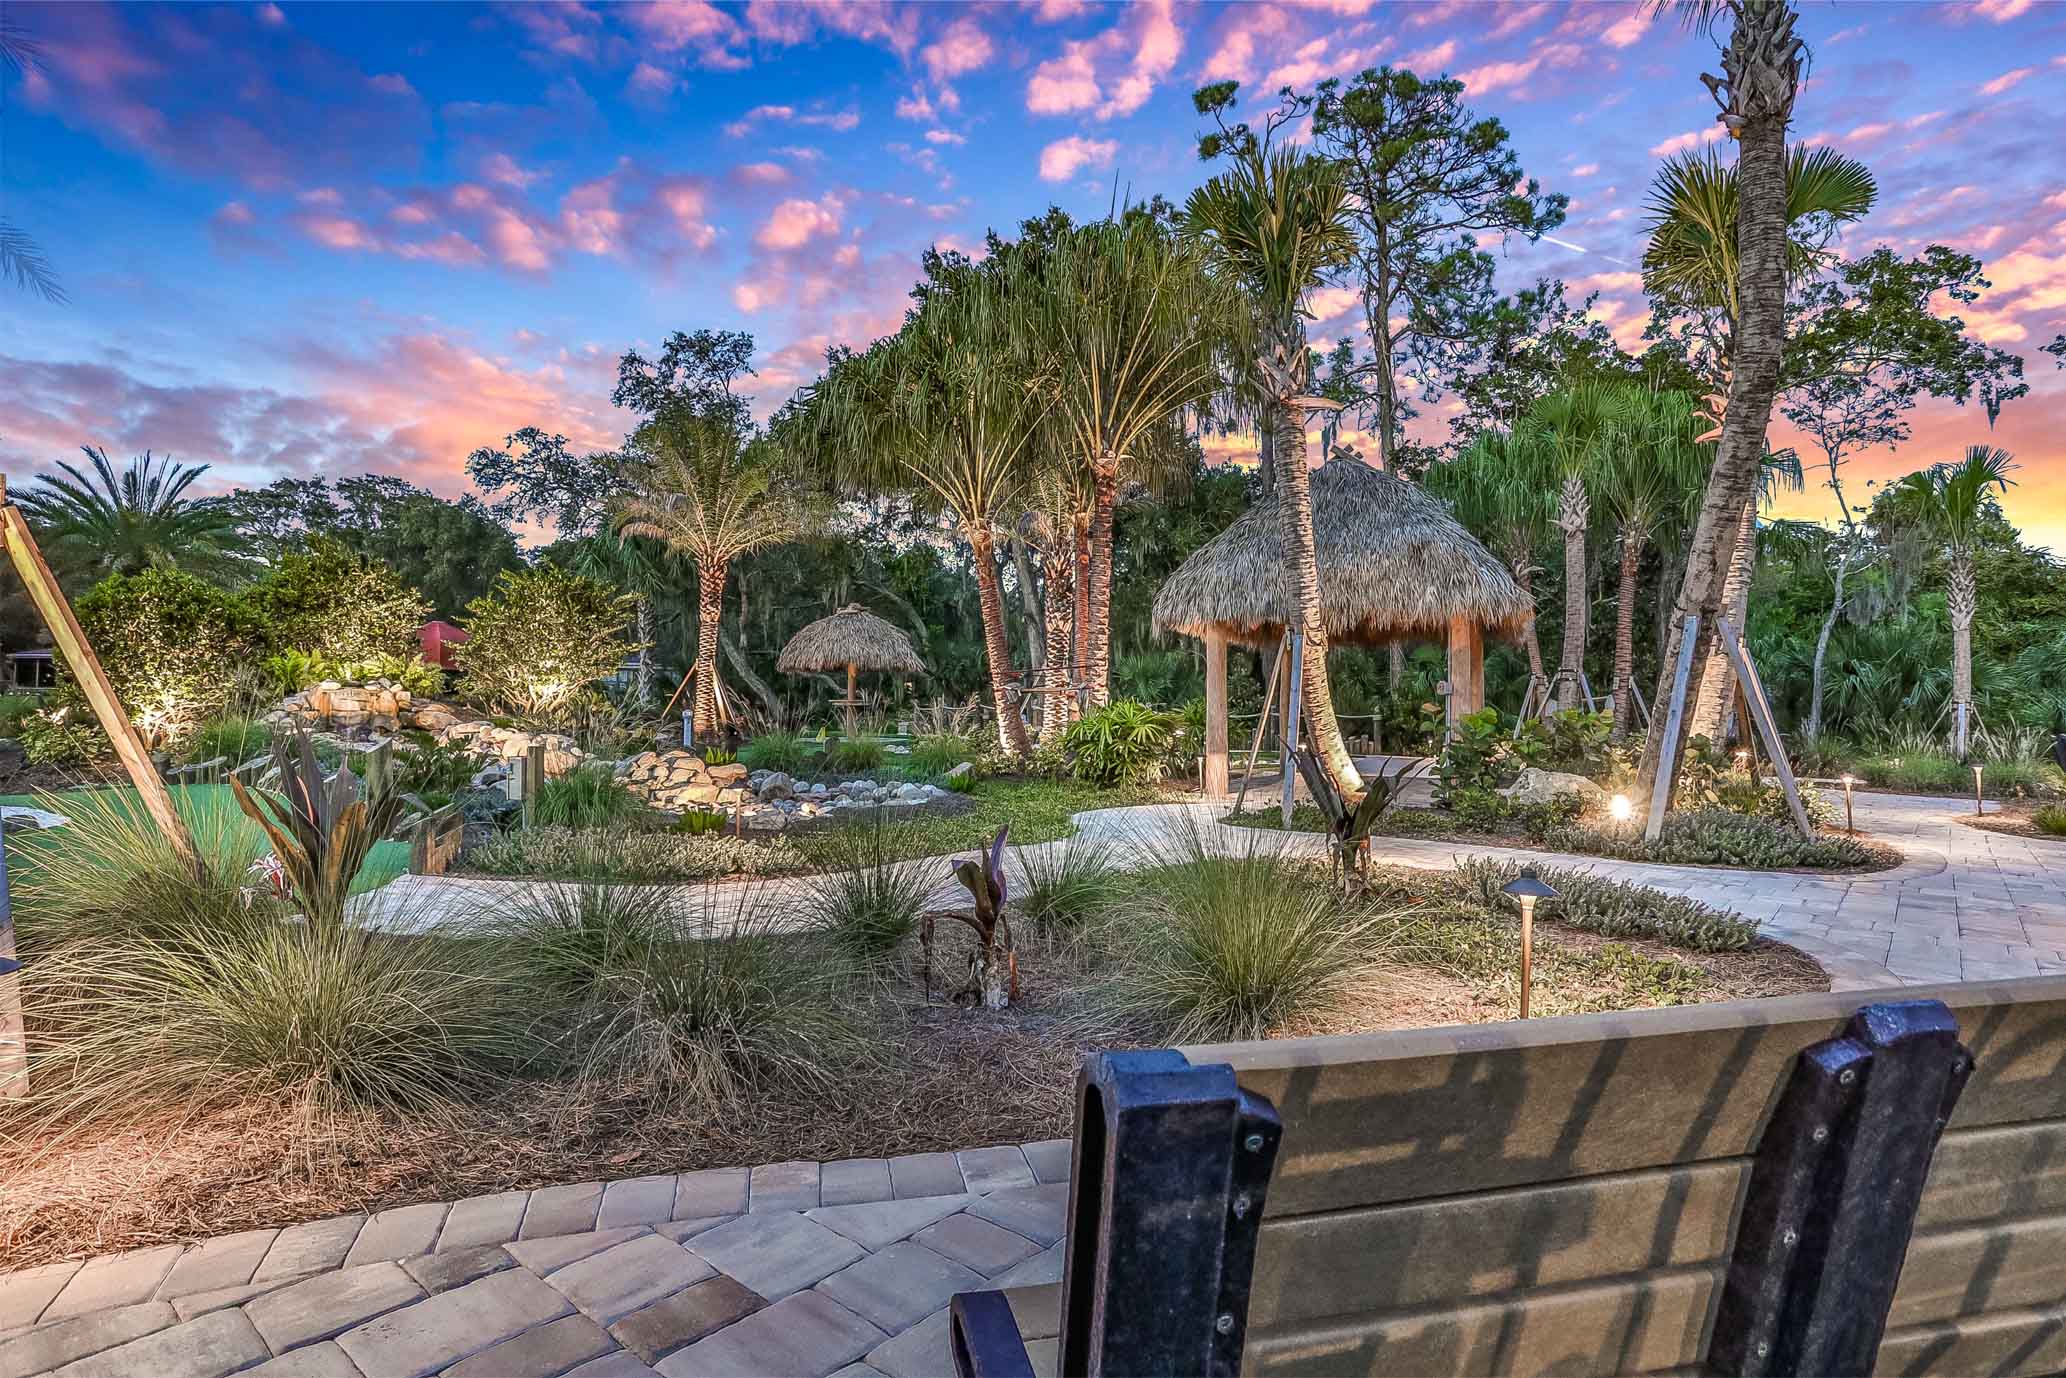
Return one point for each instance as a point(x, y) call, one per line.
point(210, 811)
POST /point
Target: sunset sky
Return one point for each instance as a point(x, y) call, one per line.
point(328, 239)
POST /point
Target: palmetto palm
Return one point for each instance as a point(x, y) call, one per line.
point(1652, 459)
point(1951, 502)
point(1571, 427)
point(1128, 328)
point(704, 491)
point(1502, 491)
point(1762, 62)
point(940, 408)
point(1277, 224)
point(123, 522)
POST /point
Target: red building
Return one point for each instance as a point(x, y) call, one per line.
point(438, 637)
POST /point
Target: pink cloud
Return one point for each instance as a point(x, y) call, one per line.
point(1055, 11)
point(1061, 160)
point(1629, 29)
point(1114, 73)
point(1685, 143)
point(271, 15)
point(916, 106)
point(650, 83)
point(961, 47)
point(1585, 170)
point(800, 21)
point(765, 173)
point(1433, 59)
point(1513, 76)
point(674, 26)
point(500, 167)
point(839, 121)
point(943, 136)
point(2001, 11)
point(796, 222)
point(2006, 81)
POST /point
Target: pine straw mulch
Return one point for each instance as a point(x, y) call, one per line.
point(947, 1077)
point(2012, 819)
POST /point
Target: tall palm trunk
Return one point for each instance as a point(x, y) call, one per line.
point(642, 684)
point(1762, 67)
point(1295, 507)
point(1079, 655)
point(1573, 516)
point(1011, 730)
point(1056, 567)
point(1625, 632)
point(1105, 486)
point(1522, 563)
point(1962, 600)
point(1710, 716)
point(710, 611)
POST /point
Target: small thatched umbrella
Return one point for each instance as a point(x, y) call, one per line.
point(853, 637)
point(1393, 562)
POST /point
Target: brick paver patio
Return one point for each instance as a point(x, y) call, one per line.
point(845, 1268)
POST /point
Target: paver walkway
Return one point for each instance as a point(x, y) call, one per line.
point(1965, 904)
point(786, 1269)
point(846, 1268)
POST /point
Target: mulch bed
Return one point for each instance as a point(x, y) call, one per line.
point(944, 1077)
point(2012, 819)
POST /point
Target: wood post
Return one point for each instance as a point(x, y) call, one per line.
point(1767, 727)
point(93, 680)
point(1294, 672)
point(1466, 667)
point(14, 1042)
point(850, 701)
point(1674, 714)
point(1215, 781)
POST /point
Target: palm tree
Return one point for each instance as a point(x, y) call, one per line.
point(1277, 224)
point(1501, 490)
point(21, 258)
point(706, 492)
point(1952, 502)
point(940, 407)
point(1571, 424)
point(1128, 328)
point(104, 522)
point(1762, 64)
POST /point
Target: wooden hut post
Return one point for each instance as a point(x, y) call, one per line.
point(1466, 667)
point(1215, 781)
point(850, 672)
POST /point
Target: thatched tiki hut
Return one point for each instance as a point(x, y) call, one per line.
point(1393, 564)
point(853, 637)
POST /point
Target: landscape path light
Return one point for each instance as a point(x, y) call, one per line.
point(1850, 821)
point(1978, 805)
point(1527, 887)
point(1620, 808)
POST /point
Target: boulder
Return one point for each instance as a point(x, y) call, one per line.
point(727, 774)
point(776, 786)
point(961, 772)
point(1541, 786)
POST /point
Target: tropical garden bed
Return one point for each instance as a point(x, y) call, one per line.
point(202, 1067)
point(2039, 822)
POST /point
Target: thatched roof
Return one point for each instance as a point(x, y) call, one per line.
point(1393, 562)
point(851, 636)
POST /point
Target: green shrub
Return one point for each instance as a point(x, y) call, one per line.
point(435, 771)
point(2050, 819)
point(15, 709)
point(539, 639)
point(410, 672)
point(702, 1006)
point(718, 756)
point(1066, 884)
point(1473, 761)
point(1123, 743)
point(787, 752)
point(700, 822)
point(1715, 837)
point(1573, 740)
point(235, 739)
point(634, 858)
point(853, 756)
point(870, 897)
point(590, 796)
point(337, 604)
point(166, 640)
point(1612, 908)
point(935, 755)
point(1229, 947)
point(62, 734)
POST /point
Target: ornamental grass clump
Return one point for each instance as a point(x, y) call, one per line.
point(1065, 885)
point(647, 987)
point(589, 797)
point(870, 897)
point(186, 990)
point(1222, 947)
point(2050, 819)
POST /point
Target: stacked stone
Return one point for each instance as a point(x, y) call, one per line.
point(679, 780)
point(505, 744)
point(379, 706)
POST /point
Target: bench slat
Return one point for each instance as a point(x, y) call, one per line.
point(2002, 1344)
point(1424, 1253)
point(1637, 1325)
point(1373, 1119)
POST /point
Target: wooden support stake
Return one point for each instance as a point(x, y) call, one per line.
point(93, 680)
point(1767, 727)
point(1262, 721)
point(534, 779)
point(1294, 666)
point(850, 671)
point(1674, 714)
point(14, 1043)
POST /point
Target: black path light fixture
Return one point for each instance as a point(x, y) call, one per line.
point(1528, 887)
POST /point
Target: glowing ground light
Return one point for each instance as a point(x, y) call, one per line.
point(1620, 808)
